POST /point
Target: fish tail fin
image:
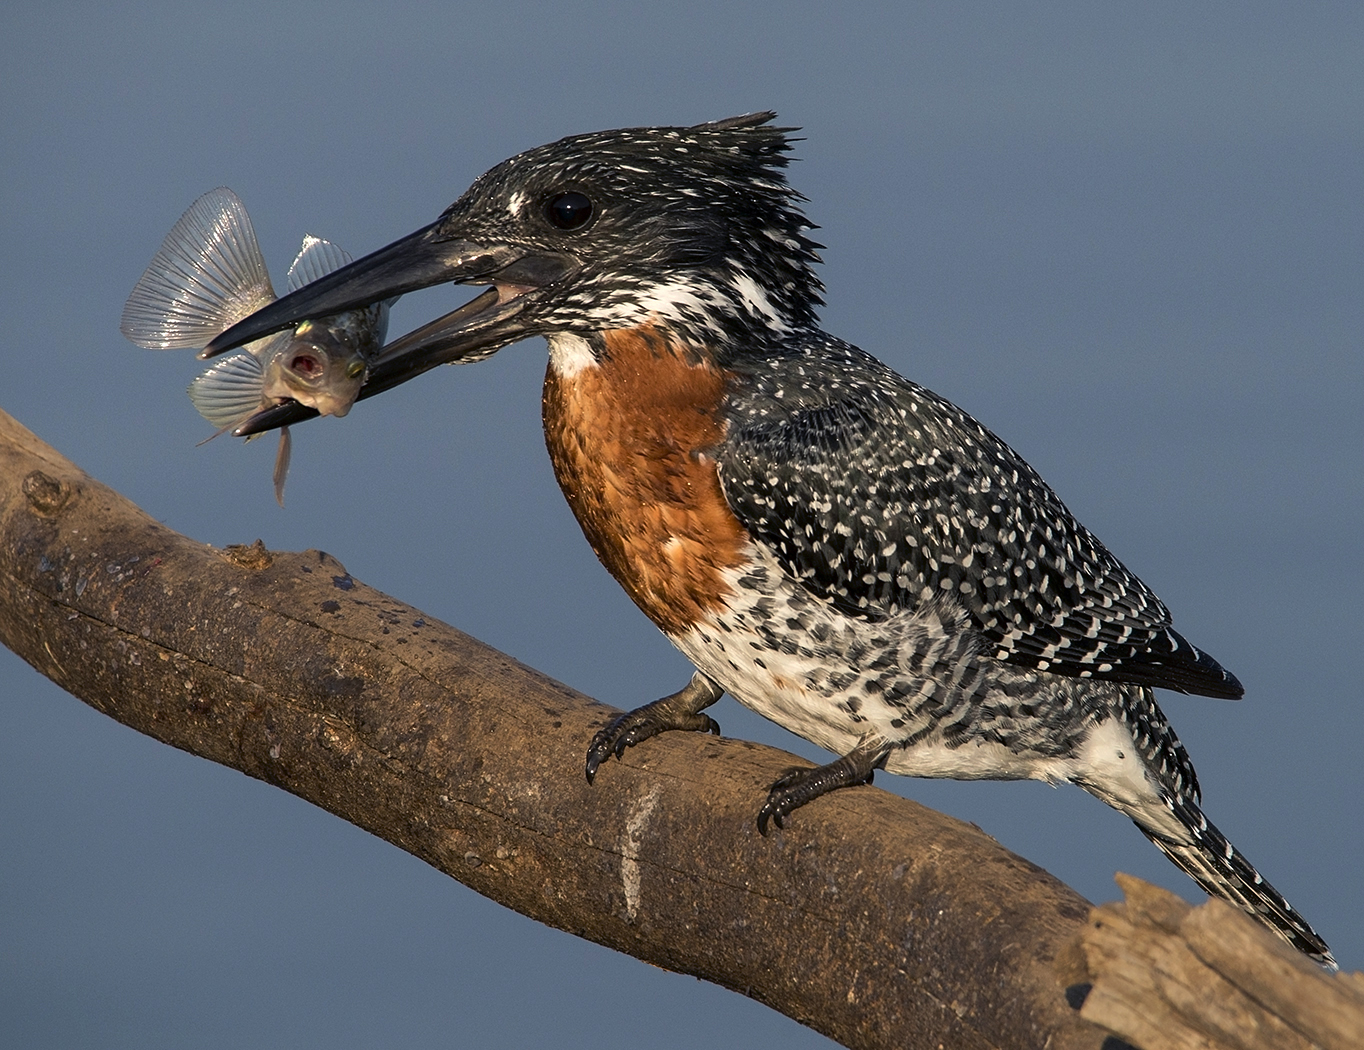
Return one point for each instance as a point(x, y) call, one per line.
point(207, 275)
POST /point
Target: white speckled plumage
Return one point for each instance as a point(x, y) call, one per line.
point(887, 578)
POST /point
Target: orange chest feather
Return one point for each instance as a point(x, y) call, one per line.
point(630, 440)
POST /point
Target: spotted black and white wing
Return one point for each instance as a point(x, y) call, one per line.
point(877, 495)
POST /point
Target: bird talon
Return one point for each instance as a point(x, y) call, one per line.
point(681, 710)
point(772, 814)
point(601, 747)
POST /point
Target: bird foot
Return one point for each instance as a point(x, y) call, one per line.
point(801, 785)
point(680, 710)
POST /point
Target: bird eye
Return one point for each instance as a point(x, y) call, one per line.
point(569, 211)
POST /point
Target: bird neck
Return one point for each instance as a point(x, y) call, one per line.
point(722, 305)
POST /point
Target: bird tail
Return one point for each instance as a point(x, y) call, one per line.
point(1211, 861)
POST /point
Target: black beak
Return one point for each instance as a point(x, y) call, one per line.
point(476, 330)
point(432, 255)
point(418, 260)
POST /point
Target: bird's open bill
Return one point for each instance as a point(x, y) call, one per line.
point(468, 334)
point(420, 260)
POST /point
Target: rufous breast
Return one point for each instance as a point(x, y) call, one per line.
point(631, 438)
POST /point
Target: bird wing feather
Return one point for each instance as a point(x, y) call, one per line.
point(876, 494)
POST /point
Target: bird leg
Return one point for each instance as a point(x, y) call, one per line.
point(681, 710)
point(799, 786)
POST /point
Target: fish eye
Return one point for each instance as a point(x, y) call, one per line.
point(569, 211)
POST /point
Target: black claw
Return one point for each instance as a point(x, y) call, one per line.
point(800, 785)
point(780, 801)
point(614, 739)
point(601, 747)
point(681, 710)
point(593, 758)
point(774, 809)
point(773, 813)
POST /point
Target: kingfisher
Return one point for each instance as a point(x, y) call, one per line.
point(838, 548)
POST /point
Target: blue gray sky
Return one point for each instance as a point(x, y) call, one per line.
point(1128, 238)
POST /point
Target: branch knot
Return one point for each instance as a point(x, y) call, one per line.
point(45, 493)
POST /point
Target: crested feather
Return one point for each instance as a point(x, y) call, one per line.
point(695, 226)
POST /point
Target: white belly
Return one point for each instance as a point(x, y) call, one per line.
point(829, 679)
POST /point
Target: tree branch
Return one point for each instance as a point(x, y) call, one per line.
point(870, 918)
point(1174, 977)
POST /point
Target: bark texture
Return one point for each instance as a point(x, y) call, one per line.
point(871, 919)
point(1172, 977)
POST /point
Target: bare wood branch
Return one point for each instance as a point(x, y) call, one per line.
point(1172, 977)
point(870, 918)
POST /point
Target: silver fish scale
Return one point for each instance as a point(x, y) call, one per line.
point(877, 494)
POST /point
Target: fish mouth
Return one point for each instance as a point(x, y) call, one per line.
point(318, 369)
point(478, 329)
point(428, 257)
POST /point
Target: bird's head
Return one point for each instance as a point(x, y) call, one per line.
point(691, 228)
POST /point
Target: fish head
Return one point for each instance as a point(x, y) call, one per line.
point(323, 366)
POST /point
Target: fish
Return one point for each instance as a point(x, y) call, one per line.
point(207, 275)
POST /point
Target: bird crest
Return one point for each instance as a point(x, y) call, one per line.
point(693, 228)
